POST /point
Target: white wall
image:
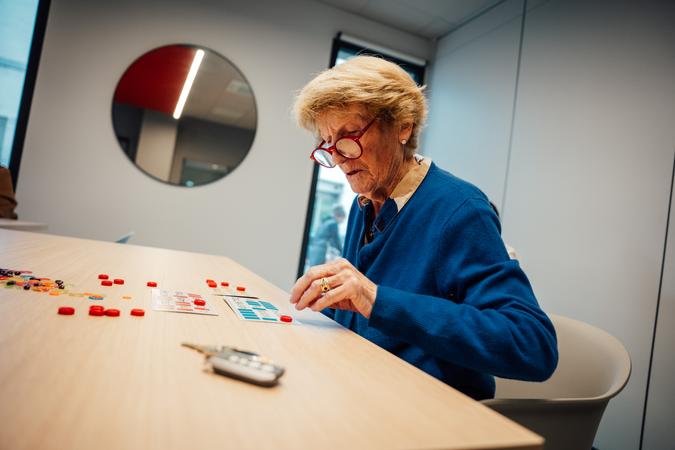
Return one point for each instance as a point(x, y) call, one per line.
point(590, 173)
point(659, 433)
point(587, 185)
point(75, 178)
point(471, 91)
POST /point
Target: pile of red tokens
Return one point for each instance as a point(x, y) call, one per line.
point(106, 281)
point(212, 284)
point(99, 310)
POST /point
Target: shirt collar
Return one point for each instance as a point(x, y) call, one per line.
point(408, 184)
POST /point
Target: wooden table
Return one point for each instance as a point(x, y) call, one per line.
point(81, 382)
point(22, 225)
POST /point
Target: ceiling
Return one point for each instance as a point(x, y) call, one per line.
point(430, 19)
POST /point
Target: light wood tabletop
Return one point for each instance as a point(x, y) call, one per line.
point(22, 225)
point(84, 382)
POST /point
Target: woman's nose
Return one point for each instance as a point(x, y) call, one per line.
point(338, 158)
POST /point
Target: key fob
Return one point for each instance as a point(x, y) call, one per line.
point(246, 366)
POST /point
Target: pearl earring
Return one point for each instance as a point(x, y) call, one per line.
point(403, 141)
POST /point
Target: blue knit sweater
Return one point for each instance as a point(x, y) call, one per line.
point(449, 299)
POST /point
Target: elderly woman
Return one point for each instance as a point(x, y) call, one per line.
point(426, 274)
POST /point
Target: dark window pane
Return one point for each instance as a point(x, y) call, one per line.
point(17, 21)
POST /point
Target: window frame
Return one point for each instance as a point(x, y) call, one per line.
point(34, 55)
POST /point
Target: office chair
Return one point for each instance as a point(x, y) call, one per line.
point(124, 239)
point(566, 409)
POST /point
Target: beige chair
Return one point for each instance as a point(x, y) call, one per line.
point(124, 239)
point(566, 409)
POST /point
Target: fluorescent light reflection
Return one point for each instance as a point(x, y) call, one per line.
point(194, 68)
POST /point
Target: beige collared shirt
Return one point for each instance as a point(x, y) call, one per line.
point(408, 184)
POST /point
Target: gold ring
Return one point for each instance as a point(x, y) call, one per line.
point(325, 287)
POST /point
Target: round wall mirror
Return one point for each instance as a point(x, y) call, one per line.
point(184, 115)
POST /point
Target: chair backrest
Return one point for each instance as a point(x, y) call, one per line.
point(566, 409)
point(593, 365)
point(124, 239)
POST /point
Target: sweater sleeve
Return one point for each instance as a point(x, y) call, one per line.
point(487, 317)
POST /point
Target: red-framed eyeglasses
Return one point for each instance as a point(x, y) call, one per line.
point(347, 146)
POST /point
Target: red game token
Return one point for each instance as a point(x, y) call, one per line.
point(288, 319)
point(66, 310)
point(241, 288)
point(118, 281)
point(96, 312)
point(224, 283)
point(213, 284)
point(199, 302)
point(112, 312)
point(137, 312)
point(209, 281)
point(106, 283)
point(103, 276)
point(152, 284)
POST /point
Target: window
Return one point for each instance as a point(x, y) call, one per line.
point(331, 197)
point(19, 53)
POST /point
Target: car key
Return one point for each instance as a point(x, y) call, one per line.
point(240, 364)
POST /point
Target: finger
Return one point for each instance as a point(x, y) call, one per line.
point(314, 292)
point(304, 282)
point(332, 298)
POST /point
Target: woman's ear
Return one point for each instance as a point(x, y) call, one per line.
point(405, 131)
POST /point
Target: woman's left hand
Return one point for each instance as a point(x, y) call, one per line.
point(349, 289)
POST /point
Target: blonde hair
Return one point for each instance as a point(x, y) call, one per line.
point(383, 88)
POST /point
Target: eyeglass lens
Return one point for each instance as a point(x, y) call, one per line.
point(324, 158)
point(348, 148)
